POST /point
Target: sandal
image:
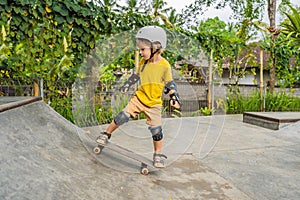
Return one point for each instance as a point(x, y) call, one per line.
point(158, 160)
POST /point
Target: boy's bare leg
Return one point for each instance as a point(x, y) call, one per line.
point(157, 146)
point(111, 127)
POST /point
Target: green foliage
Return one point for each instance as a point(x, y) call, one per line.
point(206, 111)
point(104, 115)
point(56, 35)
point(176, 113)
point(287, 72)
point(288, 46)
point(63, 105)
point(291, 27)
point(107, 77)
point(48, 40)
point(214, 34)
point(123, 18)
point(234, 102)
point(227, 45)
point(242, 10)
point(281, 101)
point(51, 39)
point(5, 48)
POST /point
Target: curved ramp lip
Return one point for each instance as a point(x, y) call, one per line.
point(18, 103)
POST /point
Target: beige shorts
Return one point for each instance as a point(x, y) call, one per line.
point(153, 114)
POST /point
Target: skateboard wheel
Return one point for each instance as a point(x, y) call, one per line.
point(144, 171)
point(97, 150)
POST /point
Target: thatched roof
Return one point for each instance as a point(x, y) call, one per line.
point(254, 49)
point(250, 57)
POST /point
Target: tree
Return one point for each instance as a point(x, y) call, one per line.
point(290, 44)
point(291, 27)
point(48, 36)
point(244, 11)
point(220, 42)
point(250, 9)
point(130, 16)
point(287, 62)
point(274, 33)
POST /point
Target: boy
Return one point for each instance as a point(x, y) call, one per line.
point(154, 73)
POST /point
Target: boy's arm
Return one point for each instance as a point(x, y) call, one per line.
point(131, 81)
point(135, 77)
point(171, 89)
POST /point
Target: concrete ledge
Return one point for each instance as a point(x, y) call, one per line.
point(271, 120)
point(7, 103)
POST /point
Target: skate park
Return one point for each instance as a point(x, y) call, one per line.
point(45, 156)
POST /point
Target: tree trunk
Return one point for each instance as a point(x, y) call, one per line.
point(273, 31)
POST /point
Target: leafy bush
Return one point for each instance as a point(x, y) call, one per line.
point(282, 102)
point(63, 105)
point(237, 104)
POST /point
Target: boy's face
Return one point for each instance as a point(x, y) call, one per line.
point(144, 49)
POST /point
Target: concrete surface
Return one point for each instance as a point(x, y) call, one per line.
point(7, 103)
point(271, 120)
point(43, 156)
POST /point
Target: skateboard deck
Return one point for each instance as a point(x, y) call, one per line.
point(145, 162)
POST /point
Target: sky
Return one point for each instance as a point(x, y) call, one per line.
point(223, 14)
point(211, 13)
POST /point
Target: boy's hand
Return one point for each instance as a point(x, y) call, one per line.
point(174, 103)
point(174, 100)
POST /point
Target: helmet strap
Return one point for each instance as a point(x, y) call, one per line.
point(144, 65)
point(151, 56)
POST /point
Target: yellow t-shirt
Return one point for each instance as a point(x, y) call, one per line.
point(152, 81)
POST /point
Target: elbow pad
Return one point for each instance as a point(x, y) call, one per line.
point(170, 86)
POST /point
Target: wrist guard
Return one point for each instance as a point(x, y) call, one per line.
point(132, 80)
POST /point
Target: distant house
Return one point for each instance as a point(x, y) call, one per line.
point(193, 70)
point(250, 62)
point(197, 72)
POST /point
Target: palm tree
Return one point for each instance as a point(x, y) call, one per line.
point(159, 12)
point(291, 27)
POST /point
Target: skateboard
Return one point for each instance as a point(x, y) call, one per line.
point(145, 162)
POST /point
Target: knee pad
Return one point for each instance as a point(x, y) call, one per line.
point(121, 118)
point(157, 133)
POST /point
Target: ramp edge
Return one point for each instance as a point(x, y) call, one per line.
point(18, 103)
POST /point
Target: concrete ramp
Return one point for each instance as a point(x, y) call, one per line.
point(43, 157)
point(7, 103)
